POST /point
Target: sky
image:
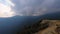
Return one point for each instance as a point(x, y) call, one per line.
point(10, 8)
point(32, 7)
point(35, 7)
point(5, 8)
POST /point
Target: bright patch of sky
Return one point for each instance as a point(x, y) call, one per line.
point(5, 8)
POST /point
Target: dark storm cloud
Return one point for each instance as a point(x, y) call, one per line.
point(33, 7)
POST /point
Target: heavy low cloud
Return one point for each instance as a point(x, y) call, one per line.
point(33, 7)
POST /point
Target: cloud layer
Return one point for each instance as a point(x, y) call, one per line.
point(5, 9)
point(32, 7)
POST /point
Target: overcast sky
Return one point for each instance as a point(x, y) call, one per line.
point(32, 7)
point(9, 8)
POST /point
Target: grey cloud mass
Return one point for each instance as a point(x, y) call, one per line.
point(33, 7)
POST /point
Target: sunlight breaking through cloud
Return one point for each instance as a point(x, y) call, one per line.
point(9, 1)
point(5, 10)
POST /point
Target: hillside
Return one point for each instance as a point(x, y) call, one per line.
point(54, 27)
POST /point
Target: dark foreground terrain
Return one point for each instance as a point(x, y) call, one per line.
point(43, 27)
